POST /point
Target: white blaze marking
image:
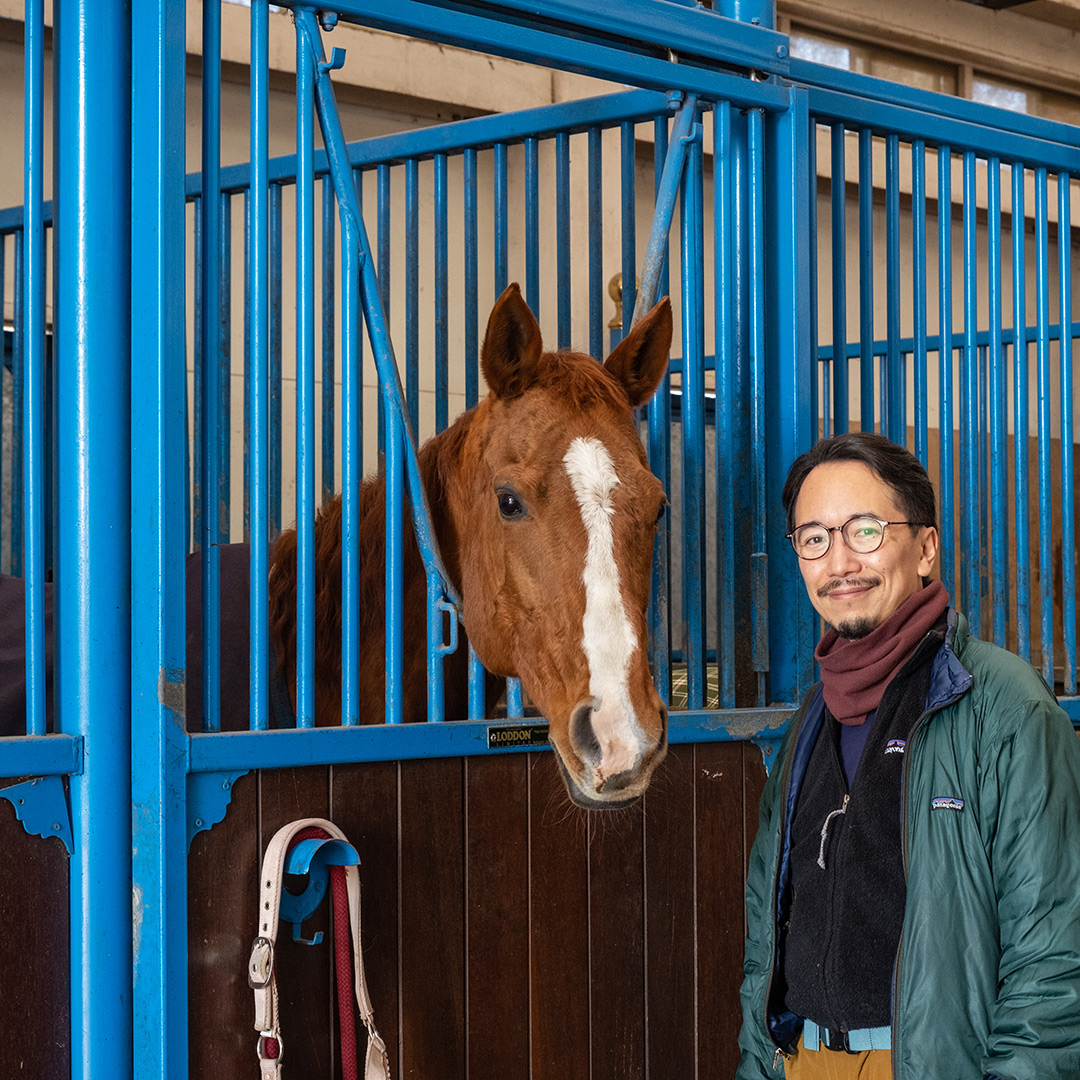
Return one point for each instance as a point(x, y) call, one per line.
point(608, 637)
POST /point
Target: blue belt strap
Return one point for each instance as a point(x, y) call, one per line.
point(878, 1038)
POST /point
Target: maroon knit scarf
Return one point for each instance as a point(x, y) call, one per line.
point(854, 674)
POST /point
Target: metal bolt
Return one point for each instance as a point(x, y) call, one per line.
point(781, 51)
point(198, 823)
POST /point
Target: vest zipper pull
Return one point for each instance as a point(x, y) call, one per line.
point(825, 830)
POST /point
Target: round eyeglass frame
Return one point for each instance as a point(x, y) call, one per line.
point(842, 530)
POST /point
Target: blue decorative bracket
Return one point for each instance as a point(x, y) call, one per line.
point(41, 806)
point(208, 797)
point(313, 857)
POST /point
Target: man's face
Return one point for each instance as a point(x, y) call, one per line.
point(856, 593)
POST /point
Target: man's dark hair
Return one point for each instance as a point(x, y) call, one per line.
point(897, 466)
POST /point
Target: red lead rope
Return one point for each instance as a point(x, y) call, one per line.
point(342, 962)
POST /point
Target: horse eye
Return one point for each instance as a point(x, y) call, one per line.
point(661, 512)
point(510, 505)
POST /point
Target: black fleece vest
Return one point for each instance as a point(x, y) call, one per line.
point(844, 920)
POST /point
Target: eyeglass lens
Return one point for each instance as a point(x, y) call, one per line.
point(861, 534)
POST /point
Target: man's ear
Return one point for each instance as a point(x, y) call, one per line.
point(928, 551)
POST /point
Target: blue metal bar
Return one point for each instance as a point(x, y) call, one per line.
point(246, 499)
point(514, 707)
point(53, 755)
point(92, 46)
point(477, 702)
point(1020, 417)
point(327, 336)
point(693, 421)
point(199, 365)
point(791, 622)
point(3, 276)
point(1065, 397)
point(724, 284)
point(258, 362)
point(33, 366)
point(501, 209)
point(275, 287)
point(1046, 501)
point(442, 304)
point(472, 290)
point(305, 383)
point(383, 213)
point(412, 295)
point(759, 506)
point(815, 332)
point(395, 559)
point(532, 225)
point(562, 239)
point(207, 372)
point(158, 506)
point(998, 418)
point(628, 224)
point(919, 255)
point(970, 591)
point(841, 404)
point(894, 422)
point(223, 435)
point(596, 243)
point(866, 279)
point(945, 374)
point(668, 186)
point(18, 408)
point(659, 448)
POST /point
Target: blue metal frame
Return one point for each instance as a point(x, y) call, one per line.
point(139, 785)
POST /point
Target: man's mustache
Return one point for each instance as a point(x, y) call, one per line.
point(848, 583)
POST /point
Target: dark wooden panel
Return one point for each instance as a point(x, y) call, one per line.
point(364, 802)
point(617, 943)
point(223, 900)
point(669, 908)
point(432, 920)
point(34, 946)
point(303, 971)
point(559, 966)
point(497, 837)
point(720, 840)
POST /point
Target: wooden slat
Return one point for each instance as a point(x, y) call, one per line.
point(432, 920)
point(303, 971)
point(223, 901)
point(719, 785)
point(34, 941)
point(364, 801)
point(559, 970)
point(669, 905)
point(497, 867)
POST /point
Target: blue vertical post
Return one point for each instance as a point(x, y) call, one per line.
point(562, 238)
point(812, 271)
point(471, 269)
point(894, 423)
point(93, 606)
point(328, 341)
point(1065, 397)
point(693, 422)
point(158, 503)
point(442, 300)
point(210, 411)
point(532, 225)
point(629, 224)
point(412, 293)
point(918, 300)
point(866, 280)
point(841, 408)
point(501, 211)
point(275, 287)
point(18, 407)
point(998, 415)
point(1042, 354)
point(788, 426)
point(383, 200)
point(33, 367)
point(945, 374)
point(258, 363)
point(970, 592)
point(1020, 415)
point(596, 243)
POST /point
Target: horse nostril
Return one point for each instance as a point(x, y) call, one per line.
point(582, 736)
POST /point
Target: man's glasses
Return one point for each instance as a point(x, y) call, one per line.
point(862, 535)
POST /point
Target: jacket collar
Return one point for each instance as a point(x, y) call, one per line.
point(949, 679)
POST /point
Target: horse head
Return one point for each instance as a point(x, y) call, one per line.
point(556, 513)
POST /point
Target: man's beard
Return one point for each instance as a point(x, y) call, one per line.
point(853, 629)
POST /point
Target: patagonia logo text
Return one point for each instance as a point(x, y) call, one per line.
point(947, 802)
point(895, 746)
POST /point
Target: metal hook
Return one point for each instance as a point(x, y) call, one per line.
point(337, 60)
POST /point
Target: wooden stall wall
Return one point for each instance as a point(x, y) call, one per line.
point(507, 934)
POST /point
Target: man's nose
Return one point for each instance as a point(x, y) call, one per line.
point(840, 559)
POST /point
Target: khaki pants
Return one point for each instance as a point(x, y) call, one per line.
point(826, 1064)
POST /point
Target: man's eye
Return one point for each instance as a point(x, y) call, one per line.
point(510, 505)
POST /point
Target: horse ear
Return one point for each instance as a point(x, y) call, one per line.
point(641, 358)
point(512, 346)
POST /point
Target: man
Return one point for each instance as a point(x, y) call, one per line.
point(913, 897)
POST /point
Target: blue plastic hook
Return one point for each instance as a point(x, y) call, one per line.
point(312, 857)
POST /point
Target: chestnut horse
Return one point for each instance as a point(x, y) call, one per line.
point(545, 512)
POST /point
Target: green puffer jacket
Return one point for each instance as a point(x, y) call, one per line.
point(987, 978)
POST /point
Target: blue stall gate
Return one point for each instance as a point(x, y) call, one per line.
point(796, 315)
